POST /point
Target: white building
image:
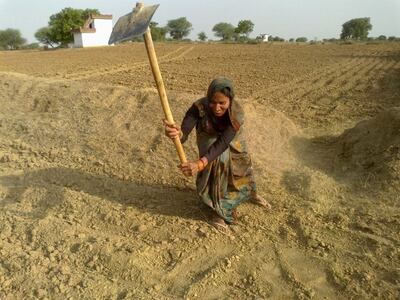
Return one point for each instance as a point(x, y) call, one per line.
point(263, 37)
point(95, 32)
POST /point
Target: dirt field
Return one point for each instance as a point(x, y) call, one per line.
point(92, 205)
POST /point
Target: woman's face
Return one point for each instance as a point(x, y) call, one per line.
point(219, 104)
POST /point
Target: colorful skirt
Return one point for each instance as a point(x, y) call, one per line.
point(228, 180)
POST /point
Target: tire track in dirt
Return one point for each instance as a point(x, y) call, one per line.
point(145, 65)
point(107, 71)
point(328, 78)
point(202, 266)
point(178, 56)
point(111, 96)
point(325, 82)
point(371, 74)
point(23, 90)
point(371, 70)
point(318, 76)
point(298, 287)
point(361, 83)
point(340, 78)
point(325, 95)
point(343, 82)
point(322, 80)
point(90, 73)
point(334, 87)
point(30, 87)
point(336, 79)
point(343, 67)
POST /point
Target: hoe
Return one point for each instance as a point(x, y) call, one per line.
point(134, 24)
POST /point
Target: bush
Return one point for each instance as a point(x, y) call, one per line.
point(347, 42)
point(393, 39)
point(31, 46)
point(254, 41)
point(301, 39)
point(241, 39)
point(331, 40)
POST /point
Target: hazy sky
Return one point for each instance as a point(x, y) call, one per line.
point(284, 18)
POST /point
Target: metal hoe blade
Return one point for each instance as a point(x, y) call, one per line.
point(133, 24)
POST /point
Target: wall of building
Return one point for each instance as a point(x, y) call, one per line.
point(265, 38)
point(78, 40)
point(101, 36)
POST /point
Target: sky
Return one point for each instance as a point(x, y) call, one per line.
point(314, 19)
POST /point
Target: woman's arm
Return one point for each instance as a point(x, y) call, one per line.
point(191, 168)
point(221, 144)
point(189, 121)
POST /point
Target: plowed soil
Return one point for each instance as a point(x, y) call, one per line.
point(93, 206)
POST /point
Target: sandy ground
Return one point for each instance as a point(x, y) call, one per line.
point(92, 205)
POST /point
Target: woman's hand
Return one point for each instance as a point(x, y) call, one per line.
point(172, 130)
point(190, 168)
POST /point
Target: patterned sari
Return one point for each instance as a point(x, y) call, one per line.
point(226, 181)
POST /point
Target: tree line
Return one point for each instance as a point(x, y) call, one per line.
point(11, 39)
point(58, 33)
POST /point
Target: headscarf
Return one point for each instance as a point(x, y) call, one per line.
point(235, 111)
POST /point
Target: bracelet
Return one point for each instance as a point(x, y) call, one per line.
point(200, 165)
point(204, 160)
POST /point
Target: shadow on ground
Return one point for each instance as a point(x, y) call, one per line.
point(54, 182)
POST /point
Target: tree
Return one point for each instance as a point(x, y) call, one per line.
point(357, 29)
point(202, 36)
point(275, 39)
point(331, 40)
point(382, 38)
point(224, 30)
point(278, 39)
point(45, 36)
point(179, 28)
point(158, 33)
point(244, 28)
point(62, 23)
point(393, 38)
point(301, 39)
point(11, 39)
point(31, 46)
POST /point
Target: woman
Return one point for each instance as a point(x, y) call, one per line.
point(224, 171)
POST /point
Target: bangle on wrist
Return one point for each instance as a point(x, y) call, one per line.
point(204, 160)
point(200, 165)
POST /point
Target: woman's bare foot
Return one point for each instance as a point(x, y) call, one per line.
point(260, 201)
point(218, 223)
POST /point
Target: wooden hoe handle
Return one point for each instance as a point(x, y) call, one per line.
point(161, 89)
